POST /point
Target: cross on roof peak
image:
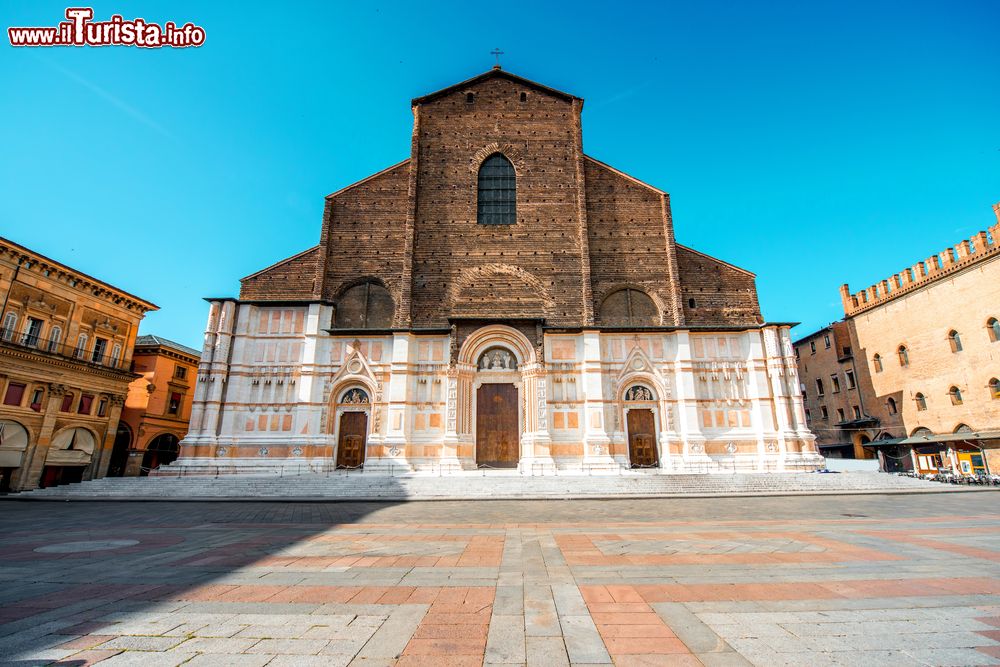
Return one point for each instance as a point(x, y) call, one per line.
point(496, 53)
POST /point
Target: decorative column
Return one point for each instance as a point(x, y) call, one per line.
point(536, 457)
point(596, 442)
point(30, 473)
point(693, 454)
point(103, 453)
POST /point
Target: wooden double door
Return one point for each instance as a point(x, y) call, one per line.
point(351, 443)
point(497, 432)
point(642, 439)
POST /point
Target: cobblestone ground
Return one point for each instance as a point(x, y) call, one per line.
point(854, 580)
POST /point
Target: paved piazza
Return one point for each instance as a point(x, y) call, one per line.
point(817, 580)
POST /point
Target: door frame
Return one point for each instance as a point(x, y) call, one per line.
point(498, 377)
point(340, 408)
point(364, 445)
point(654, 408)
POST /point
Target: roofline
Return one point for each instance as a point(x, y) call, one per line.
point(721, 261)
point(627, 176)
point(284, 261)
point(179, 348)
point(828, 327)
point(150, 306)
point(367, 178)
point(495, 71)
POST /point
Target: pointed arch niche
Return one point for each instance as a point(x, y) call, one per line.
point(643, 416)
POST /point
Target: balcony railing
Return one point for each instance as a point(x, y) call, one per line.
point(83, 354)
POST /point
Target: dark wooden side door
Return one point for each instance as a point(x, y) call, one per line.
point(642, 439)
point(351, 444)
point(497, 437)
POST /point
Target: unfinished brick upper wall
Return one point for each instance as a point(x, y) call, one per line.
point(723, 294)
point(293, 279)
point(630, 238)
point(529, 269)
point(583, 229)
point(364, 234)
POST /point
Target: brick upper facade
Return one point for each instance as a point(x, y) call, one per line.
point(583, 230)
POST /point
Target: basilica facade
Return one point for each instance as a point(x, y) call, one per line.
point(499, 299)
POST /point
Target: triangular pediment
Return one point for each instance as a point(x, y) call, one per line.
point(494, 73)
point(637, 361)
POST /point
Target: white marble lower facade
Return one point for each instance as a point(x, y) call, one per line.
point(276, 388)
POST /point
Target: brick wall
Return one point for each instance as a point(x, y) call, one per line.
point(721, 293)
point(291, 279)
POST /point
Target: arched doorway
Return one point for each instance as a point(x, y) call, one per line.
point(498, 441)
point(13, 442)
point(119, 454)
point(161, 450)
point(68, 456)
point(352, 432)
point(640, 426)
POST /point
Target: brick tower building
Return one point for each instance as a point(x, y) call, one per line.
point(498, 299)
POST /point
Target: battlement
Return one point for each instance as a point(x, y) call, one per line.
point(951, 260)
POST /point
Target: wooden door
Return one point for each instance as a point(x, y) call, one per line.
point(642, 439)
point(351, 443)
point(497, 436)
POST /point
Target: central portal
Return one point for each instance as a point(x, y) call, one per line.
point(497, 435)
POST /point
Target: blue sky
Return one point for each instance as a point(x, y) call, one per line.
point(813, 143)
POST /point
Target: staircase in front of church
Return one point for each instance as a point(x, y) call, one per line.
point(357, 485)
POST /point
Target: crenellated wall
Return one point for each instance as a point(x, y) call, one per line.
point(966, 253)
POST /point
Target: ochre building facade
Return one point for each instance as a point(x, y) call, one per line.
point(65, 354)
point(499, 299)
point(157, 407)
point(925, 346)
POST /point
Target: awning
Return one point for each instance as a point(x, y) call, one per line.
point(977, 437)
point(888, 442)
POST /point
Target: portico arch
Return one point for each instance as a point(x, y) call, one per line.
point(496, 403)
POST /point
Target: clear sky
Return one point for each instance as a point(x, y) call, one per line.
point(813, 143)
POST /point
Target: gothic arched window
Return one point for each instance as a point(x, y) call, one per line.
point(629, 307)
point(921, 401)
point(877, 362)
point(497, 201)
point(904, 356)
point(365, 306)
point(955, 341)
point(994, 329)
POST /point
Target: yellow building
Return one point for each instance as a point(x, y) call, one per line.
point(66, 342)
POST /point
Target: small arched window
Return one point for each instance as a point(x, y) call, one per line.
point(921, 401)
point(955, 341)
point(365, 306)
point(497, 198)
point(877, 362)
point(9, 325)
point(81, 346)
point(956, 395)
point(994, 388)
point(993, 328)
point(904, 356)
point(629, 307)
point(891, 405)
point(54, 335)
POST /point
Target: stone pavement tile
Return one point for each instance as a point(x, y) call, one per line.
point(505, 643)
point(215, 645)
point(295, 631)
point(619, 646)
point(658, 660)
point(726, 659)
point(288, 646)
point(540, 616)
point(509, 600)
point(445, 647)
point(138, 643)
point(695, 634)
point(546, 652)
point(440, 661)
point(392, 636)
point(229, 660)
point(146, 659)
point(86, 641)
point(87, 658)
point(583, 642)
point(305, 661)
point(214, 630)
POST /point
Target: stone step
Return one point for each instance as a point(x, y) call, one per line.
point(342, 485)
